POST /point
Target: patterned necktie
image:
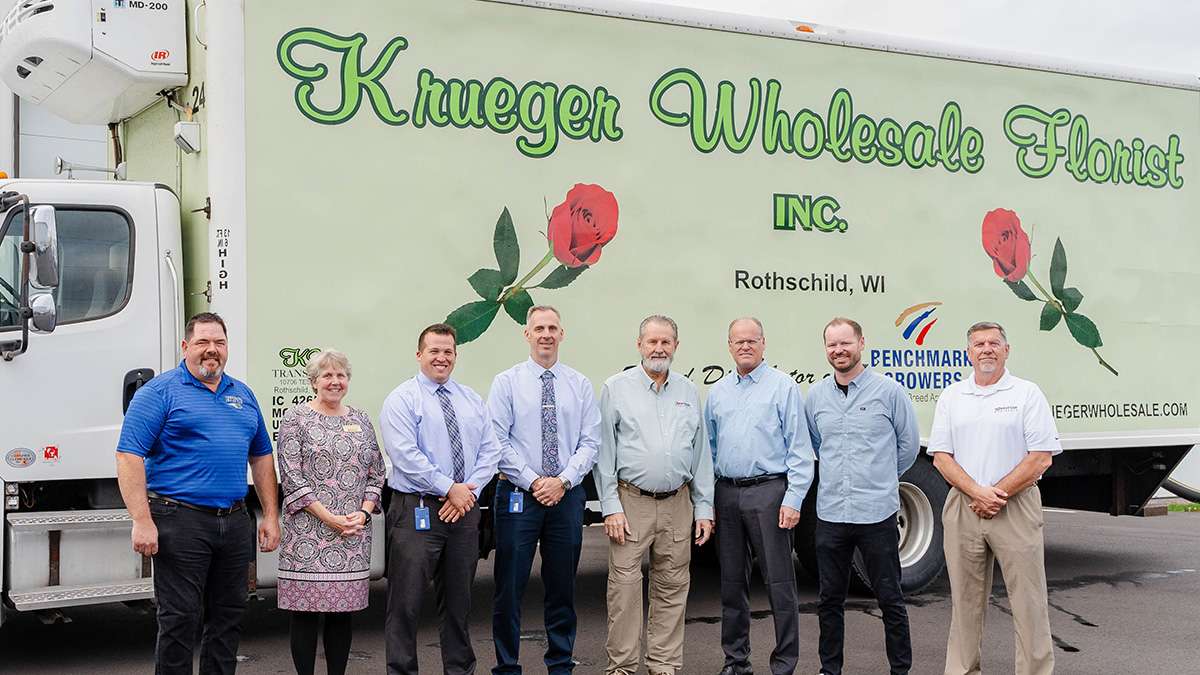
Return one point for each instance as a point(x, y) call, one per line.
point(549, 426)
point(460, 464)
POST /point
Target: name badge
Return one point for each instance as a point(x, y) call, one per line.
point(421, 517)
point(516, 502)
point(351, 428)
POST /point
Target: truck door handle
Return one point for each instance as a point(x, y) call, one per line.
point(134, 380)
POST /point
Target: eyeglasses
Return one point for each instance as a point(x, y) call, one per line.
point(745, 343)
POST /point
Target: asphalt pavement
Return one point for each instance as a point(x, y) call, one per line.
point(1124, 598)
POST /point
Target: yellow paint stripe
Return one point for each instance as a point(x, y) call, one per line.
point(912, 310)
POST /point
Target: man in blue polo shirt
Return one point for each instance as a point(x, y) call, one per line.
point(181, 465)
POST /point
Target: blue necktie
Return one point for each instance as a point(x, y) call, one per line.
point(549, 426)
point(460, 463)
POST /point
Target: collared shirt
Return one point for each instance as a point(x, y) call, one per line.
point(515, 404)
point(195, 441)
point(989, 430)
point(416, 440)
point(653, 438)
point(756, 426)
point(865, 440)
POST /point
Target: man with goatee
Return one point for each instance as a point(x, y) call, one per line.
point(655, 479)
point(993, 436)
point(181, 466)
point(865, 435)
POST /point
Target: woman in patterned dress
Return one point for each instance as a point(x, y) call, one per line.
point(331, 473)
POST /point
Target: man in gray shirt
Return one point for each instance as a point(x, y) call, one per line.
point(655, 478)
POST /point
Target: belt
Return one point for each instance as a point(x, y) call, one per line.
point(212, 510)
point(421, 495)
point(647, 493)
point(753, 480)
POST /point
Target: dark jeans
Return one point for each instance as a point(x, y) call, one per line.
point(748, 521)
point(879, 544)
point(559, 529)
point(200, 577)
point(447, 554)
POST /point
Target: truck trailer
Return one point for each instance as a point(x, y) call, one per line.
point(340, 175)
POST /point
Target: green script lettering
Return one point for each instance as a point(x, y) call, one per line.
point(1088, 159)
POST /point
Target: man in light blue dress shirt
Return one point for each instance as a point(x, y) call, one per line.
point(443, 448)
point(764, 467)
point(548, 425)
point(864, 431)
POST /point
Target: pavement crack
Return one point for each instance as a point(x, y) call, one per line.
point(1078, 618)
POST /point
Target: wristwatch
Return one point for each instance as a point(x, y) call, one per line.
point(367, 514)
point(566, 483)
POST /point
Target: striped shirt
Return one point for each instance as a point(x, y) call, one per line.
point(195, 441)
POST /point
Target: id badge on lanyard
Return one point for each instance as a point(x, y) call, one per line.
point(421, 515)
point(516, 501)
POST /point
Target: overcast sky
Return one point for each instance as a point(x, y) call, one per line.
point(1156, 34)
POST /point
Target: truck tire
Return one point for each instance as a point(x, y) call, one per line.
point(1182, 490)
point(922, 495)
point(804, 540)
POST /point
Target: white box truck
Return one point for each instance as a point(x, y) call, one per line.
point(343, 174)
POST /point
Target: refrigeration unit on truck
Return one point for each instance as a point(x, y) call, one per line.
point(339, 175)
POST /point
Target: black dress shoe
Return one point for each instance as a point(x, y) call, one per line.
point(737, 670)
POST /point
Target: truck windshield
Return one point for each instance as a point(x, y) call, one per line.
point(94, 248)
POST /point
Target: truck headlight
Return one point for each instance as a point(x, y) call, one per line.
point(12, 503)
point(10, 489)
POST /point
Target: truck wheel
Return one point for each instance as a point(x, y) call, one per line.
point(804, 541)
point(922, 495)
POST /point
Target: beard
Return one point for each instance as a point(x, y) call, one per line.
point(211, 373)
point(207, 373)
point(657, 365)
point(854, 361)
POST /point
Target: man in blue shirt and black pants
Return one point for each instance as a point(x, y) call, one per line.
point(764, 466)
point(864, 431)
point(181, 466)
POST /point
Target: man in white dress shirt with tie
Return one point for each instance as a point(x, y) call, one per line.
point(548, 425)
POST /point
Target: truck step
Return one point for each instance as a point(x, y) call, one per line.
point(49, 597)
point(68, 520)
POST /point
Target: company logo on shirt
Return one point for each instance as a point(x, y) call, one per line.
point(1005, 409)
point(683, 404)
point(234, 402)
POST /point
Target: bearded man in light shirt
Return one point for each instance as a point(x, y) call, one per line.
point(655, 478)
point(993, 437)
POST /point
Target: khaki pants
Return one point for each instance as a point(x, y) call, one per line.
point(664, 527)
point(973, 544)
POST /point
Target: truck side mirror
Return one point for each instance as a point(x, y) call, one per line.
point(45, 313)
point(44, 233)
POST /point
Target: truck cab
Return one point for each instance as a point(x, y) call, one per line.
point(117, 307)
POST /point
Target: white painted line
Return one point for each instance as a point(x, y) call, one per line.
point(1052, 510)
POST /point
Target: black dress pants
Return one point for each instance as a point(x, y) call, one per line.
point(879, 544)
point(446, 554)
point(748, 521)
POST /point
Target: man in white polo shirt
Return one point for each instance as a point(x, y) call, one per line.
point(993, 437)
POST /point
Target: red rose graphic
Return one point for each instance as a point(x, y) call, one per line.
point(1006, 244)
point(586, 221)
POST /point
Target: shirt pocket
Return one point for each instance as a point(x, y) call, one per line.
point(870, 420)
point(687, 422)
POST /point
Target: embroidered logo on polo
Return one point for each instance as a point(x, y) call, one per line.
point(234, 402)
point(683, 404)
point(1006, 408)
